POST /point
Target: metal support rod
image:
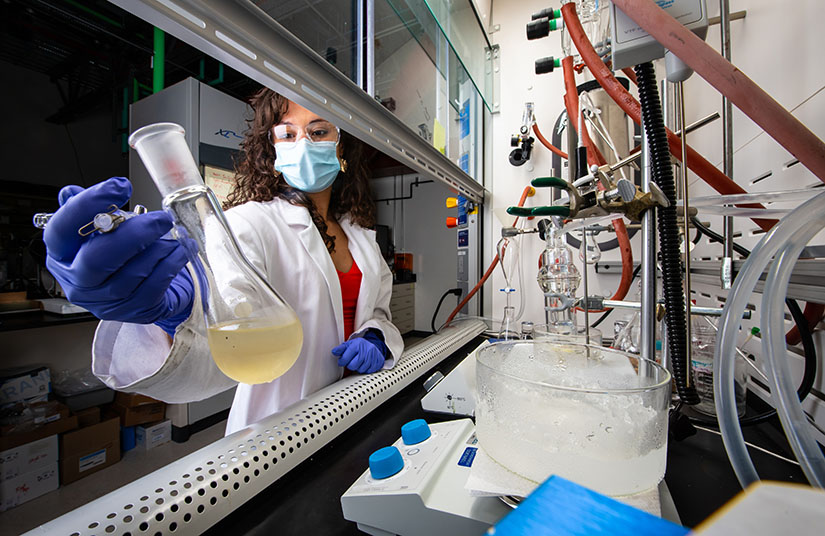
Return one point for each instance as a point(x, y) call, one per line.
point(727, 148)
point(736, 15)
point(648, 272)
point(572, 156)
point(694, 309)
point(690, 128)
point(680, 101)
point(586, 309)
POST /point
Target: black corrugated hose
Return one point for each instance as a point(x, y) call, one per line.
point(662, 175)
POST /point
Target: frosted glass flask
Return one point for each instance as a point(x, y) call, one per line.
point(253, 334)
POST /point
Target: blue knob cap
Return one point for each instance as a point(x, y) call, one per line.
point(415, 432)
point(385, 462)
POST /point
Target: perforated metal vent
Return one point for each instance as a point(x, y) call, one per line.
point(195, 492)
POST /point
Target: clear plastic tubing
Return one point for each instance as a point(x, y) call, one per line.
point(756, 197)
point(809, 215)
point(743, 212)
point(788, 406)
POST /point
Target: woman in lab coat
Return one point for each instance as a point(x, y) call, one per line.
point(301, 211)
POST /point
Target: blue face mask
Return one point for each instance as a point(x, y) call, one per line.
point(309, 167)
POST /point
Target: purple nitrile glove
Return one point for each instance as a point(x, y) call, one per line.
point(131, 274)
point(364, 355)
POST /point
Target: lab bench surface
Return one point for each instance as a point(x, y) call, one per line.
point(40, 319)
point(307, 499)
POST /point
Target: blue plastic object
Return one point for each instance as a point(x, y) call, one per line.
point(127, 438)
point(415, 432)
point(385, 462)
point(561, 508)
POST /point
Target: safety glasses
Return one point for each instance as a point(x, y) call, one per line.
point(315, 132)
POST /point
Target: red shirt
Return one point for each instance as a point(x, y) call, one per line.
point(350, 286)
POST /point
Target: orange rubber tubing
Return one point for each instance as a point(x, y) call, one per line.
point(746, 94)
point(696, 162)
point(528, 191)
point(546, 143)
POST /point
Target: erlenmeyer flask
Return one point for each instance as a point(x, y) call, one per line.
point(254, 335)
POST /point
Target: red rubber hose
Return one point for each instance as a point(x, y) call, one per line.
point(696, 162)
point(546, 143)
point(751, 99)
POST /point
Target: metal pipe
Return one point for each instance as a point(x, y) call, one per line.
point(736, 15)
point(695, 309)
point(158, 59)
point(572, 155)
point(648, 272)
point(359, 48)
point(726, 274)
point(370, 66)
point(680, 100)
point(690, 128)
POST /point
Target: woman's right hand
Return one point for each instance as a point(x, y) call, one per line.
point(130, 274)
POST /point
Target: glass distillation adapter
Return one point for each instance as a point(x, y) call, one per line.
point(253, 334)
point(507, 249)
point(559, 279)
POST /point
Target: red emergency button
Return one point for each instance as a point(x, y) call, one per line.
point(452, 222)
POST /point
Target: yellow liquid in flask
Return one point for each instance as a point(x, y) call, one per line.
point(255, 352)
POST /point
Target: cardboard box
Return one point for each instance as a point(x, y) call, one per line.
point(28, 486)
point(87, 417)
point(133, 400)
point(88, 450)
point(24, 383)
point(142, 414)
point(149, 436)
point(56, 421)
point(28, 457)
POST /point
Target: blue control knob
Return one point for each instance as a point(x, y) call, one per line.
point(415, 432)
point(385, 462)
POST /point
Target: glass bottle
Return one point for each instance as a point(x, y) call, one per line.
point(253, 334)
point(703, 347)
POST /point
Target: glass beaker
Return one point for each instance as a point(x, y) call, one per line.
point(253, 334)
point(544, 409)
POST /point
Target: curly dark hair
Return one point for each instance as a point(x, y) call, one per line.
point(256, 180)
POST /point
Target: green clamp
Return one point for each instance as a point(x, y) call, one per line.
point(558, 210)
point(522, 212)
point(550, 182)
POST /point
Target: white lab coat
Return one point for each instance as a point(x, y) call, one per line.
point(281, 241)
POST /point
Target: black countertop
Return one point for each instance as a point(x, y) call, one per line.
point(307, 499)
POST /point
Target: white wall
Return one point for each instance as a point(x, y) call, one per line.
point(777, 46)
point(418, 228)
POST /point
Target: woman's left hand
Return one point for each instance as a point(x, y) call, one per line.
point(364, 355)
